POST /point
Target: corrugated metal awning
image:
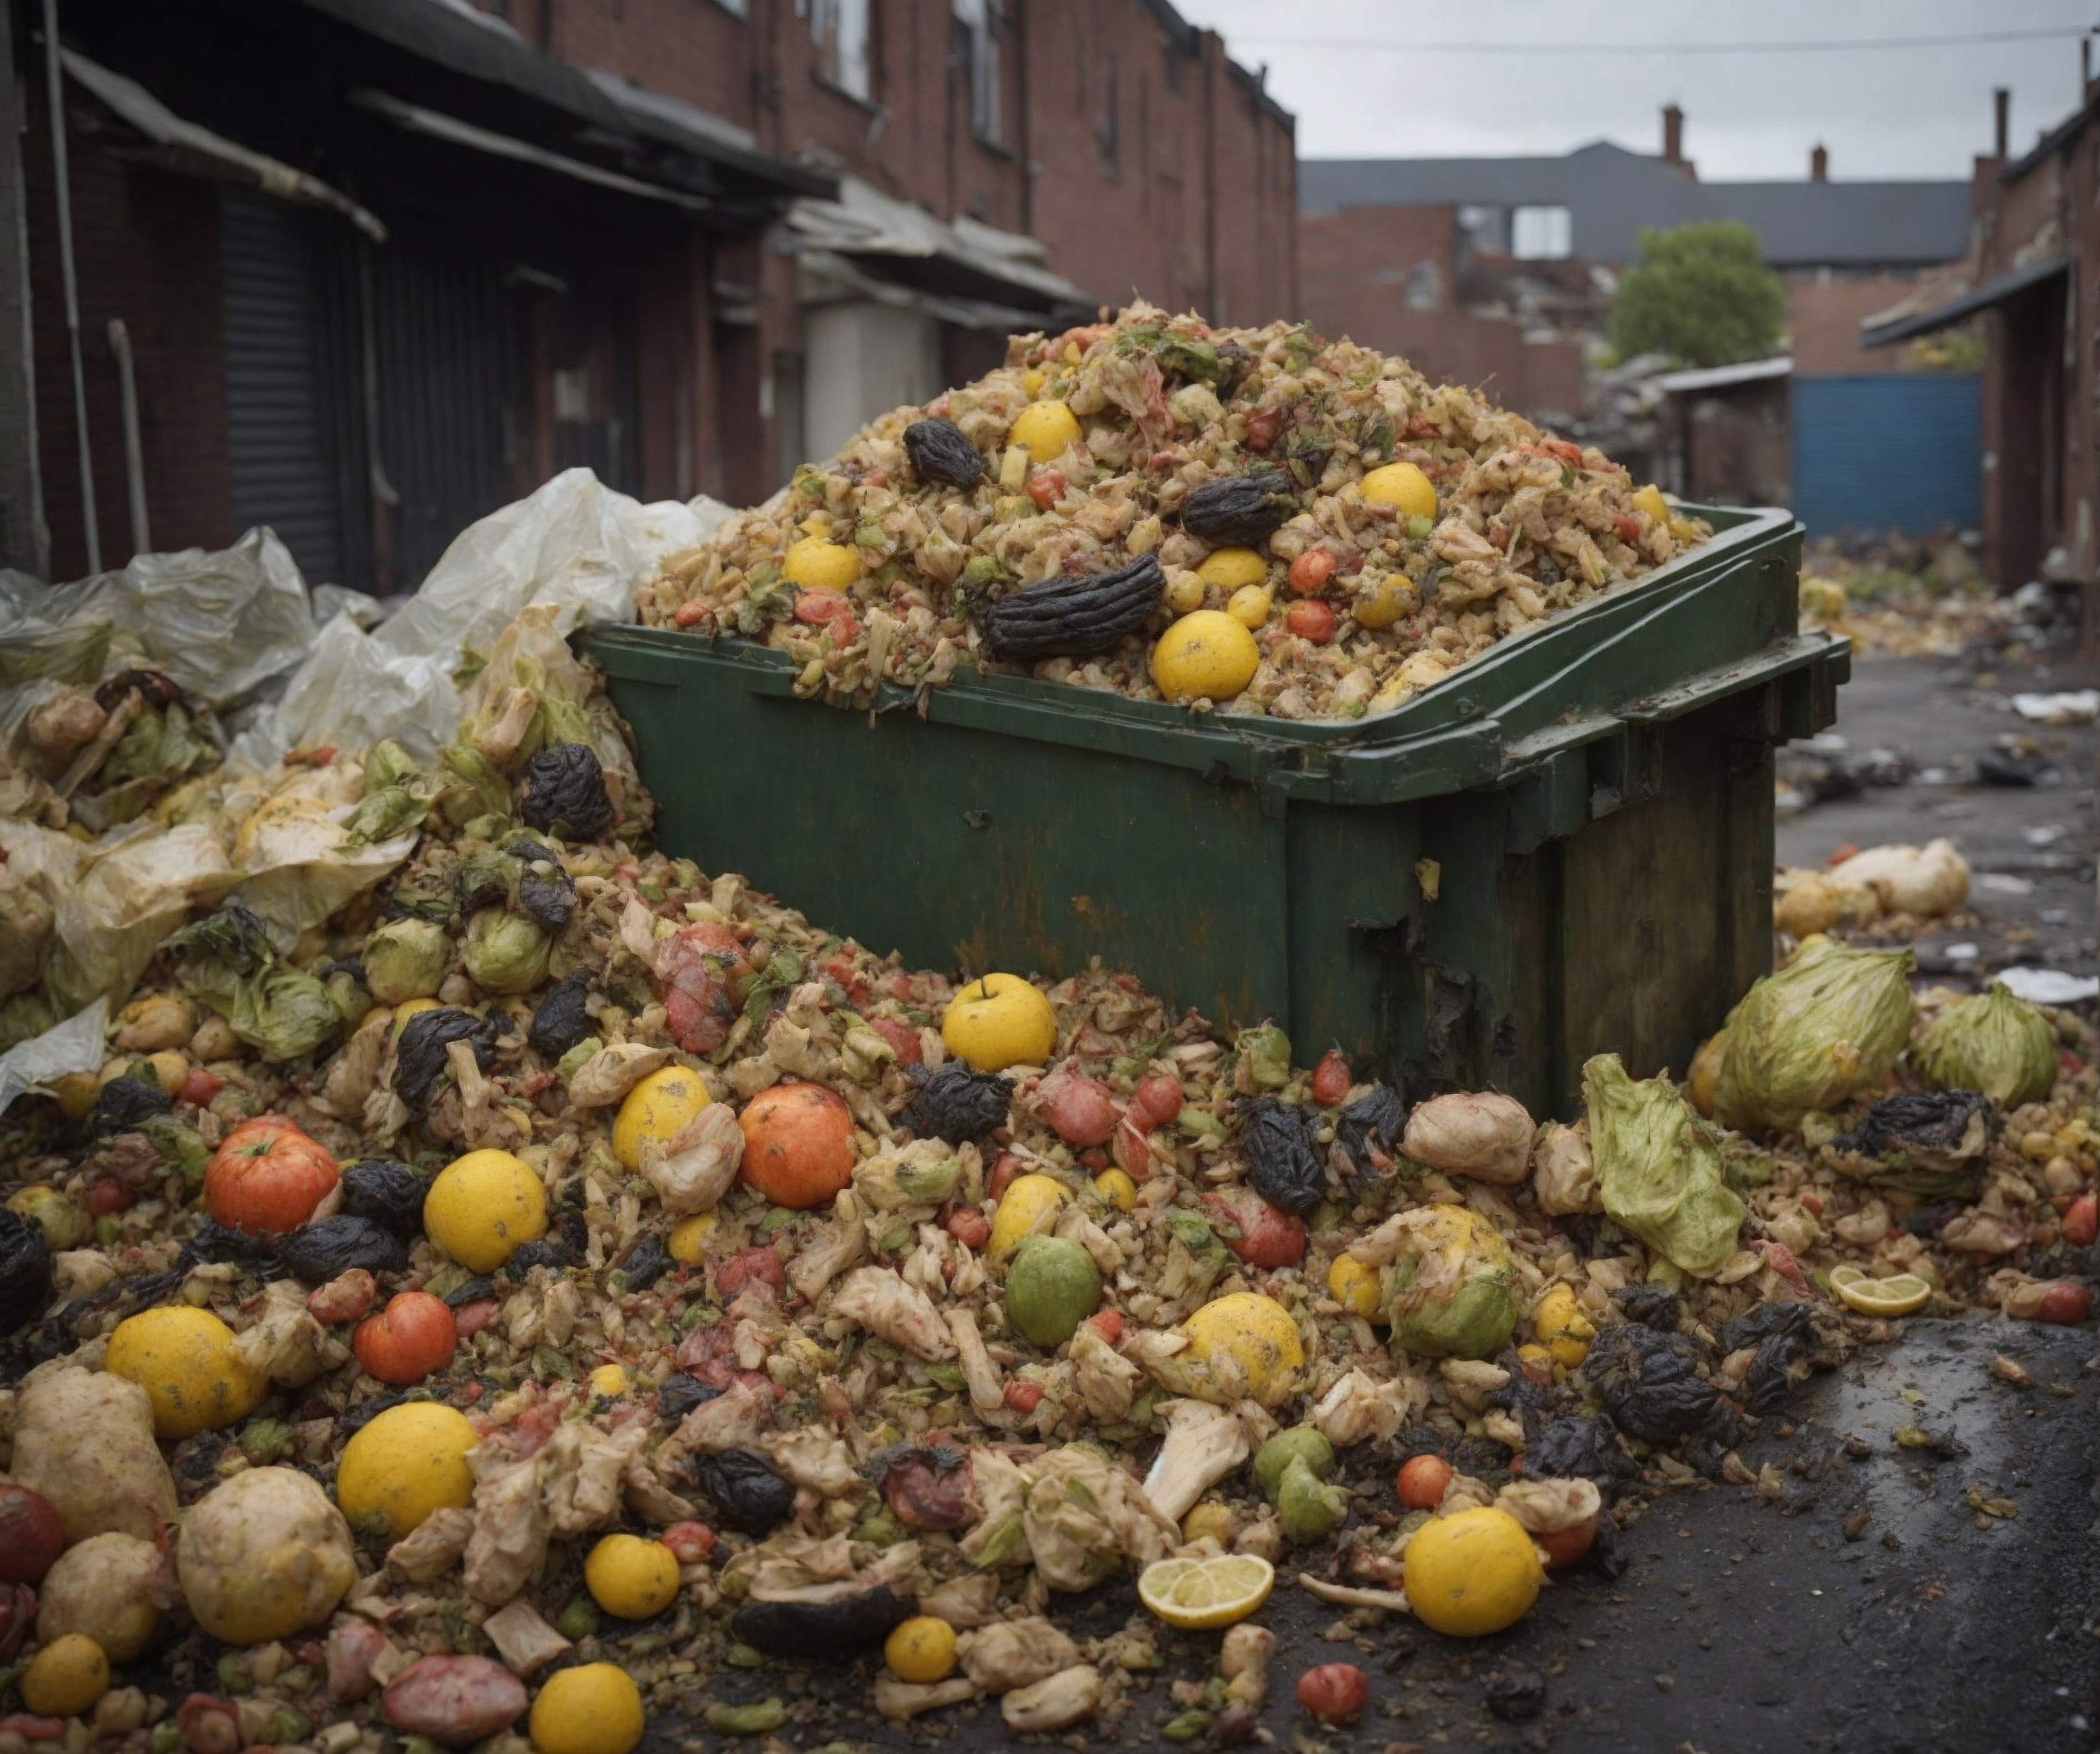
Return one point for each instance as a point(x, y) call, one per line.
point(1959, 309)
point(199, 149)
point(1723, 376)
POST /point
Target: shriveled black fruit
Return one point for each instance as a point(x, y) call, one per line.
point(646, 1262)
point(819, 1619)
point(679, 1396)
point(419, 1056)
point(561, 1021)
point(546, 894)
point(25, 1270)
point(748, 1496)
point(957, 1104)
point(1369, 1128)
point(333, 1245)
point(385, 1192)
point(121, 1103)
point(1283, 1159)
point(562, 792)
point(1074, 617)
point(940, 451)
point(1239, 510)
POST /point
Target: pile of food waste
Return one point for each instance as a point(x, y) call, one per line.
point(1260, 520)
point(564, 1291)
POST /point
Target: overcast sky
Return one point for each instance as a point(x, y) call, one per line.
point(1890, 112)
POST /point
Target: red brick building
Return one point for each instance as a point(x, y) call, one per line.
point(383, 265)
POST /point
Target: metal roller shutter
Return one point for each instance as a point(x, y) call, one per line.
point(1888, 451)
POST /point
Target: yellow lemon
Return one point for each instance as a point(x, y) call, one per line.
point(630, 1577)
point(1117, 1188)
point(608, 1381)
point(1561, 1326)
point(1385, 600)
point(1209, 1521)
point(1030, 1204)
point(404, 1463)
point(1196, 1594)
point(76, 1092)
point(1257, 1333)
point(1471, 1573)
point(66, 1678)
point(1899, 1294)
point(1704, 1076)
point(593, 1708)
point(483, 1206)
point(1043, 430)
point(922, 1649)
point(1249, 606)
point(1231, 569)
point(659, 1107)
point(1354, 1286)
point(190, 1365)
point(1403, 486)
point(1650, 500)
point(1032, 380)
point(1184, 590)
point(817, 563)
point(1205, 656)
point(688, 1241)
point(998, 1021)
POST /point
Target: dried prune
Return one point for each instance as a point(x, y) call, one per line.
point(1649, 1383)
point(1239, 510)
point(1074, 617)
point(332, 1245)
point(748, 1496)
point(941, 452)
point(817, 1622)
point(955, 1104)
point(1579, 1448)
point(1933, 1143)
point(1283, 1159)
point(25, 1270)
point(473, 1290)
point(680, 1394)
point(219, 1244)
point(646, 1262)
point(1369, 1131)
point(561, 1021)
point(546, 894)
point(419, 1055)
point(561, 792)
point(121, 1103)
point(1650, 1306)
point(387, 1192)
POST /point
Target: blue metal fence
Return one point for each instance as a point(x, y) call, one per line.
point(1894, 450)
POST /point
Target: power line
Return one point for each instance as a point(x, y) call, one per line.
point(1239, 40)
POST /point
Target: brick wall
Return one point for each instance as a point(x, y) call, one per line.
point(1825, 318)
point(145, 245)
point(1361, 267)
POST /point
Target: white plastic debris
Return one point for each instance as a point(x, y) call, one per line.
point(2003, 882)
point(2050, 986)
point(2079, 706)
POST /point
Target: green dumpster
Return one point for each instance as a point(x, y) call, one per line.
point(1566, 848)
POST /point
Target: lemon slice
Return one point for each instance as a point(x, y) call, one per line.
point(1897, 1295)
point(1196, 1593)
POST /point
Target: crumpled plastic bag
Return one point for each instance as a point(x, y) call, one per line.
point(1991, 1042)
point(1658, 1167)
point(575, 543)
point(1828, 1024)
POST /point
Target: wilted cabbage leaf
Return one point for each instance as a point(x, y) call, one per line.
point(1830, 1024)
point(1450, 1283)
point(1265, 1052)
point(505, 952)
point(1994, 1042)
point(225, 959)
point(1659, 1167)
point(405, 960)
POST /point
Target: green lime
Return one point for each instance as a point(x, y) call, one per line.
point(1051, 1286)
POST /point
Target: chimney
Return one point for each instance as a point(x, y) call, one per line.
point(1673, 135)
point(2002, 104)
point(1818, 163)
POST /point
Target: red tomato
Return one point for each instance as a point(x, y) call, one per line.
point(761, 1264)
point(1565, 1546)
point(690, 1543)
point(266, 1177)
point(1310, 572)
point(798, 1144)
point(2065, 1303)
point(31, 1536)
point(1082, 1113)
point(969, 1226)
point(1046, 487)
point(1331, 1079)
point(1627, 525)
point(1335, 1692)
point(1813, 1203)
point(470, 1319)
point(2082, 1221)
point(1024, 1396)
point(1311, 620)
point(1256, 1231)
point(413, 1337)
point(814, 608)
point(1131, 1152)
point(903, 1038)
point(1842, 854)
point(1560, 450)
point(199, 1086)
point(691, 615)
point(844, 972)
point(1004, 1167)
point(1422, 1481)
point(1158, 1100)
point(1108, 1323)
point(106, 1196)
point(844, 630)
point(1263, 426)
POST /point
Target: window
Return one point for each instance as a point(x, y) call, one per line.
point(1539, 234)
point(844, 55)
point(977, 27)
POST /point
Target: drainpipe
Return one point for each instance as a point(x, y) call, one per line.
point(54, 94)
point(135, 452)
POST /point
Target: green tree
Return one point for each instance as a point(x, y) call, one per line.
point(1701, 295)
